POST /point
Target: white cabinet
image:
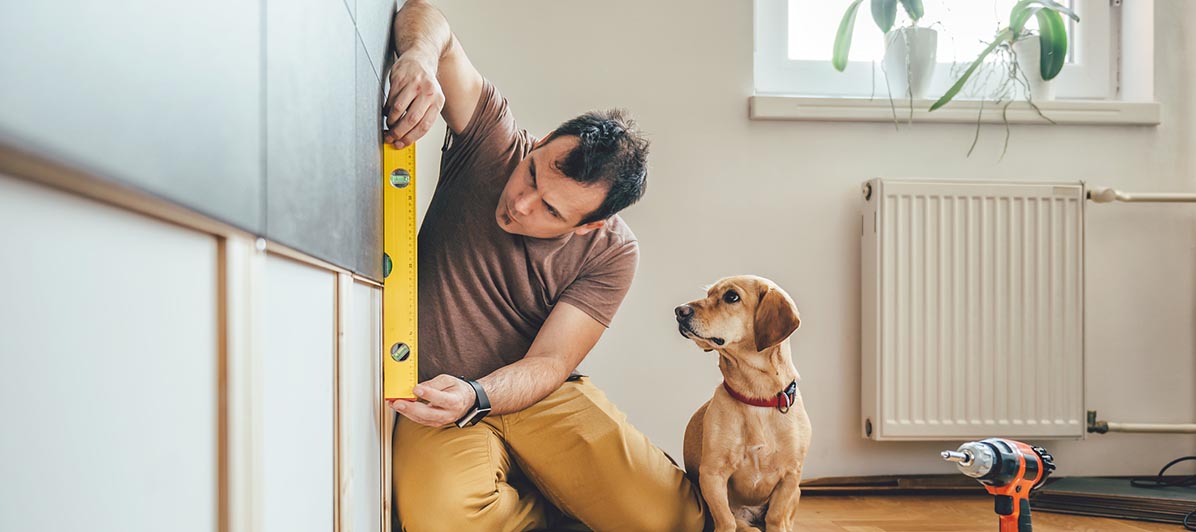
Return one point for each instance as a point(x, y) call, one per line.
point(159, 377)
point(108, 368)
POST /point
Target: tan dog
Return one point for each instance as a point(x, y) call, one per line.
point(746, 452)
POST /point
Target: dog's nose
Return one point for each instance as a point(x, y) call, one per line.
point(684, 312)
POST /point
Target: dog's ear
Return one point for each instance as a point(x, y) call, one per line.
point(776, 319)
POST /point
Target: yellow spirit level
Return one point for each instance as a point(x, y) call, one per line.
point(400, 286)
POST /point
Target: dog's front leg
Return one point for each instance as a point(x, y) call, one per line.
point(714, 490)
point(782, 505)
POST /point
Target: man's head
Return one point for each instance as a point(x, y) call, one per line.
point(577, 177)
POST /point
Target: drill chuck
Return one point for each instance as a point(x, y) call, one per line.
point(975, 459)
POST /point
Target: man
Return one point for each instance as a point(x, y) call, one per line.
point(523, 263)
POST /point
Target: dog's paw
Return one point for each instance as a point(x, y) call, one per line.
point(747, 528)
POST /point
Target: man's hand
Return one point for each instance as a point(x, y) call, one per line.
point(445, 399)
point(415, 99)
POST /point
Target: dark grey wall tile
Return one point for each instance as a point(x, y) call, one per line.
point(367, 187)
point(128, 92)
point(164, 96)
point(374, 18)
point(311, 92)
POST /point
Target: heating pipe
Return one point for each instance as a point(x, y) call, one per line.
point(1101, 427)
point(1107, 195)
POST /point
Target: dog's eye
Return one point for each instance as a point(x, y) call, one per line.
point(731, 297)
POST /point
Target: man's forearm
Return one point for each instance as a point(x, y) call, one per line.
point(517, 386)
point(421, 30)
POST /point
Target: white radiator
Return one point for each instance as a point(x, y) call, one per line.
point(972, 310)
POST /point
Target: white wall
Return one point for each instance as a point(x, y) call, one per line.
point(728, 195)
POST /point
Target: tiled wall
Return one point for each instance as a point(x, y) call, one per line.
point(265, 114)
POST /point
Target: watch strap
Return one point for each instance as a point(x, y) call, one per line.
point(481, 404)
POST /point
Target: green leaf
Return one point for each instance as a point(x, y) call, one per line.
point(843, 38)
point(1056, 6)
point(1052, 37)
point(1019, 15)
point(914, 9)
point(1023, 10)
point(1003, 36)
point(884, 12)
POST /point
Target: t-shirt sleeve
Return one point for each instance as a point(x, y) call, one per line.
point(602, 285)
point(491, 135)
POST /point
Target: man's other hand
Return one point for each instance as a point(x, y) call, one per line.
point(443, 400)
point(415, 100)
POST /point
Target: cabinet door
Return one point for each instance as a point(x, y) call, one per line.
point(298, 373)
point(108, 368)
point(362, 435)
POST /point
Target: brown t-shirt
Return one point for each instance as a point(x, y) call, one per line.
point(484, 293)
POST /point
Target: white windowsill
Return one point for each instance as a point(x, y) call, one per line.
point(825, 109)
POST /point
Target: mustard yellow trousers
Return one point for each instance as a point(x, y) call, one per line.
point(569, 462)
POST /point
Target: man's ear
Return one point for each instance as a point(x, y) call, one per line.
point(583, 229)
point(776, 319)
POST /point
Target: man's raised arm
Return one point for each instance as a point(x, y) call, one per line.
point(431, 75)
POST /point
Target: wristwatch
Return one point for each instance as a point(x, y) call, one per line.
point(481, 405)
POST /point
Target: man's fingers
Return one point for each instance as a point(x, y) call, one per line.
point(400, 106)
point(439, 392)
point(415, 113)
point(400, 99)
point(436, 397)
point(397, 404)
point(421, 129)
point(424, 414)
point(414, 94)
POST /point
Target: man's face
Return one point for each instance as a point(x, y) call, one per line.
point(541, 202)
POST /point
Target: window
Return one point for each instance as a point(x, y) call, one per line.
point(794, 40)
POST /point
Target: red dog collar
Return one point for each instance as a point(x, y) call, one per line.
point(781, 401)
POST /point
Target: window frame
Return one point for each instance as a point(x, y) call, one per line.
point(1091, 76)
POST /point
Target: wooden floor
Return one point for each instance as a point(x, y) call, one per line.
point(902, 513)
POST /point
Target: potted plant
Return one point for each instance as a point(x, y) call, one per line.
point(910, 51)
point(1038, 57)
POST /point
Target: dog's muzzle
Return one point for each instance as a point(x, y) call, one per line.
point(684, 315)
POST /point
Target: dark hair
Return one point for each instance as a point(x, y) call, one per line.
point(611, 152)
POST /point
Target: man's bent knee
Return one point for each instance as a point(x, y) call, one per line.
point(430, 512)
point(441, 504)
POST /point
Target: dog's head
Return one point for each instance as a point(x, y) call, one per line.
point(745, 312)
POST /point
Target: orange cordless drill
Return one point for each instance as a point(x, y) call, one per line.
point(1008, 469)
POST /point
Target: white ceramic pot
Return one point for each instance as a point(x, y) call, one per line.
point(1028, 51)
point(910, 58)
